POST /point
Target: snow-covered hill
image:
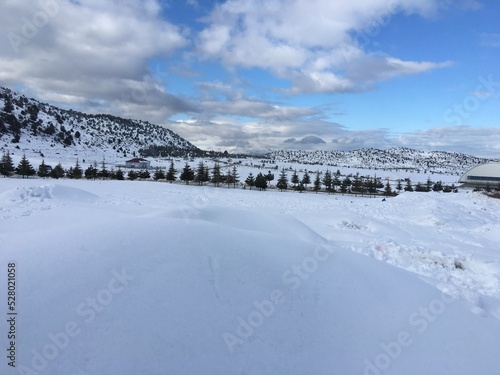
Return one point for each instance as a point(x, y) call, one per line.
point(42, 129)
point(395, 158)
point(123, 277)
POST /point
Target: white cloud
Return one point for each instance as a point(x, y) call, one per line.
point(262, 136)
point(193, 3)
point(311, 43)
point(471, 5)
point(256, 109)
point(490, 40)
point(80, 51)
point(477, 141)
point(221, 133)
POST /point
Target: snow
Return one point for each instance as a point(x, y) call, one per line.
point(135, 277)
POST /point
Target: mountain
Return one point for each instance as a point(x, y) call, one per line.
point(393, 158)
point(40, 128)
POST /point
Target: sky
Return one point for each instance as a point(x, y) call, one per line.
point(255, 75)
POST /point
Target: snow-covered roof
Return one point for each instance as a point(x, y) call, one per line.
point(482, 174)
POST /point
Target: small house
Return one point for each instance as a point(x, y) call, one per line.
point(139, 163)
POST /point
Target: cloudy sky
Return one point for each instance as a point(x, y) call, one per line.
point(254, 75)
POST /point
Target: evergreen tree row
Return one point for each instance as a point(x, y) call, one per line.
point(203, 175)
point(332, 183)
point(328, 182)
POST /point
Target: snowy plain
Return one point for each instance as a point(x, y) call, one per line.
point(135, 277)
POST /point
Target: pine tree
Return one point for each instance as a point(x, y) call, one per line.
point(171, 173)
point(187, 174)
point(228, 179)
point(103, 173)
point(75, 172)
point(235, 176)
point(206, 175)
point(317, 183)
point(388, 190)
point(327, 181)
point(438, 186)
point(6, 165)
point(57, 172)
point(144, 174)
point(132, 175)
point(345, 184)
point(282, 183)
point(91, 173)
point(25, 168)
point(261, 181)
point(408, 186)
point(295, 178)
point(357, 184)
point(200, 173)
point(428, 184)
point(269, 177)
point(250, 181)
point(43, 170)
point(399, 187)
point(119, 174)
point(420, 188)
point(216, 175)
point(369, 184)
point(336, 181)
point(159, 174)
point(306, 180)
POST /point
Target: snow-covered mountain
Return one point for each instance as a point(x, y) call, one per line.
point(39, 128)
point(394, 158)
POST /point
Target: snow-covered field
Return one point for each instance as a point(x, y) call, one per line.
point(122, 277)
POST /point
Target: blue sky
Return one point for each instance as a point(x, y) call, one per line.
point(254, 75)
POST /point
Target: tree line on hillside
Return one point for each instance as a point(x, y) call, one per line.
point(327, 181)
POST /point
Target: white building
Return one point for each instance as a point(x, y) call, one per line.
point(482, 175)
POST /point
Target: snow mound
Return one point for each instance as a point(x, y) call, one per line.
point(67, 193)
point(44, 192)
point(23, 201)
point(26, 194)
point(240, 220)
